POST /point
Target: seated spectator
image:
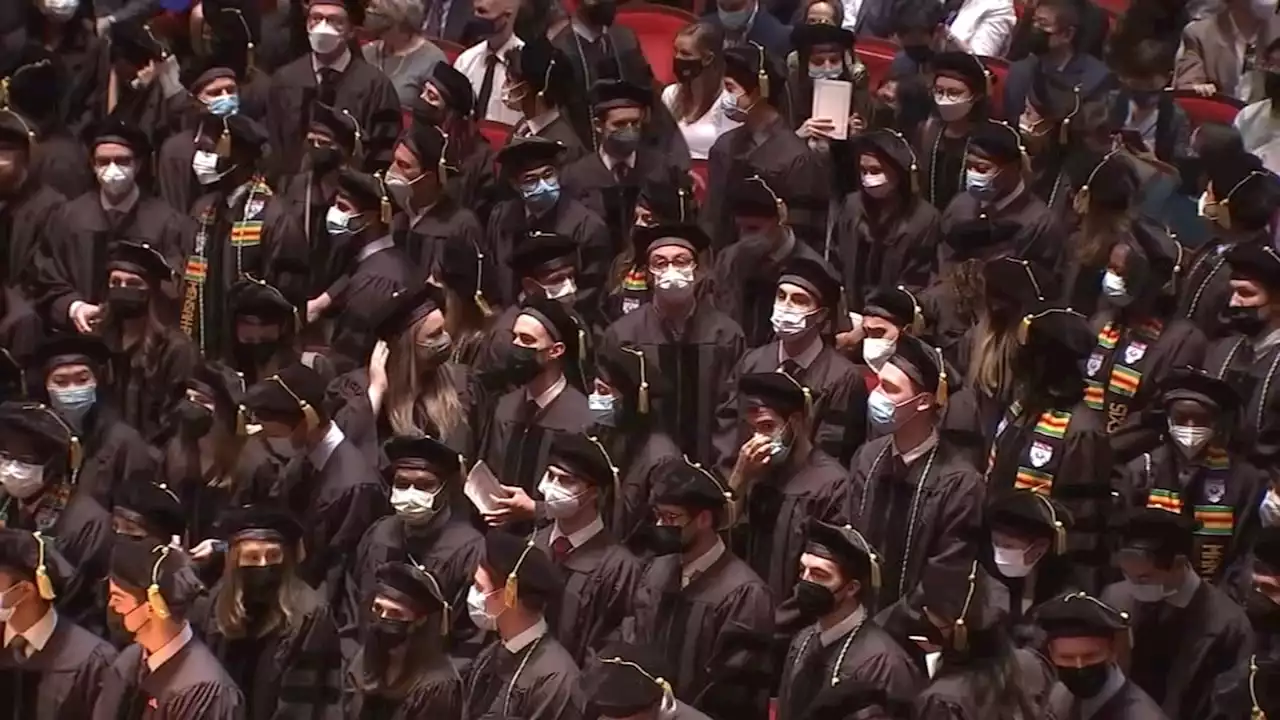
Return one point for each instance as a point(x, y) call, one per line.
point(1054, 48)
point(744, 21)
point(920, 30)
point(1091, 39)
point(1210, 61)
point(1141, 107)
point(695, 98)
point(1259, 123)
point(980, 27)
point(400, 51)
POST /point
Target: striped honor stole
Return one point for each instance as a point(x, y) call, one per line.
point(1043, 456)
point(1123, 357)
point(247, 231)
point(1216, 521)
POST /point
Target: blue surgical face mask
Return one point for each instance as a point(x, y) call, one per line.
point(73, 403)
point(602, 407)
point(541, 196)
point(880, 409)
point(730, 109)
point(224, 105)
point(735, 20)
point(980, 185)
point(338, 222)
point(826, 72)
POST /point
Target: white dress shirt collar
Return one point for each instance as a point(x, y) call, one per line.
point(538, 123)
point(321, 453)
point(918, 451)
point(37, 636)
point(527, 638)
point(377, 246)
point(551, 393)
point(843, 628)
point(584, 32)
point(700, 564)
point(340, 64)
point(610, 162)
point(171, 648)
point(579, 538)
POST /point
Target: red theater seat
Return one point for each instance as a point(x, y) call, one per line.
point(1114, 8)
point(451, 49)
point(495, 132)
point(999, 69)
point(655, 27)
point(877, 55)
point(1200, 110)
point(698, 172)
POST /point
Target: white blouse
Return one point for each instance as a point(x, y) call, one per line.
point(700, 134)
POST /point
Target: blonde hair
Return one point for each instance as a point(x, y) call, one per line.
point(708, 39)
point(467, 324)
point(991, 358)
point(229, 616)
point(415, 391)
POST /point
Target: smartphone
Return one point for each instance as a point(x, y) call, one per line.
point(1133, 140)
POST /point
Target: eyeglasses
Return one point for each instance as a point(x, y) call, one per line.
point(660, 265)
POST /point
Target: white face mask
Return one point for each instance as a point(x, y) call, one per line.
point(1113, 285)
point(788, 321)
point(1149, 592)
point(414, 505)
point(1012, 562)
point(7, 609)
point(20, 479)
point(115, 180)
point(931, 662)
point(324, 38)
point(674, 279)
point(401, 190)
point(1269, 510)
point(59, 9)
point(476, 609)
point(1190, 439)
point(337, 222)
point(877, 351)
point(205, 166)
point(876, 185)
point(952, 110)
point(560, 503)
point(562, 290)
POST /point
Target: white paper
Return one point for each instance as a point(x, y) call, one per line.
point(482, 488)
point(831, 100)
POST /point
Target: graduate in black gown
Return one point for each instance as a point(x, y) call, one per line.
point(264, 333)
point(243, 228)
point(1192, 472)
point(166, 673)
point(1188, 635)
point(765, 146)
point(143, 509)
point(628, 681)
point(540, 85)
point(448, 102)
point(524, 673)
point(707, 610)
point(117, 209)
point(420, 183)
point(600, 575)
point(683, 337)
point(37, 90)
point(1050, 442)
point(428, 529)
point(532, 167)
point(334, 75)
point(780, 479)
point(961, 94)
point(51, 668)
point(913, 493)
point(626, 388)
point(1045, 124)
point(1247, 356)
point(330, 486)
point(1104, 206)
point(1253, 685)
point(402, 670)
point(837, 590)
point(806, 305)
point(374, 268)
point(31, 213)
point(885, 234)
point(232, 32)
point(548, 399)
point(134, 77)
point(272, 632)
point(1085, 640)
point(1238, 201)
point(657, 203)
point(608, 180)
point(1023, 556)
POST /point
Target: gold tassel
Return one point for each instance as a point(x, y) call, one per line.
point(223, 148)
point(43, 584)
point(155, 598)
point(384, 202)
point(310, 416)
point(1024, 330)
point(76, 454)
point(242, 424)
point(4, 94)
point(511, 593)
point(763, 75)
point(943, 396)
point(875, 572)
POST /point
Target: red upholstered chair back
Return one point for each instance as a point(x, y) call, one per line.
point(698, 172)
point(655, 27)
point(877, 54)
point(495, 133)
point(451, 49)
point(999, 69)
point(1200, 110)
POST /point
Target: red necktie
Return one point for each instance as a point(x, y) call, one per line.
point(560, 549)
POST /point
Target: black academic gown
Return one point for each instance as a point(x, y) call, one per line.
point(1040, 237)
point(149, 379)
point(447, 546)
point(1183, 656)
point(1235, 359)
point(638, 453)
point(308, 201)
point(292, 671)
point(917, 516)
point(1130, 359)
point(361, 89)
point(58, 682)
point(1128, 702)
point(472, 179)
point(601, 577)
point(745, 281)
point(695, 626)
point(778, 509)
point(1206, 285)
point(71, 266)
point(694, 357)
point(538, 682)
point(62, 163)
point(941, 163)
point(256, 236)
point(800, 177)
point(360, 297)
point(335, 503)
point(21, 331)
point(612, 193)
point(423, 235)
point(191, 685)
point(1216, 488)
point(864, 653)
point(436, 692)
point(29, 221)
point(958, 695)
point(113, 451)
point(839, 402)
point(879, 249)
point(176, 181)
point(553, 125)
point(615, 50)
point(520, 434)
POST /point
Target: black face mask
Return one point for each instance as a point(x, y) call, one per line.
point(1038, 41)
point(601, 14)
point(195, 420)
point(666, 539)
point(428, 113)
point(252, 355)
point(686, 70)
point(523, 364)
point(261, 583)
point(324, 159)
point(1263, 614)
point(1245, 320)
point(480, 28)
point(814, 600)
point(127, 302)
point(919, 54)
point(1085, 682)
point(386, 634)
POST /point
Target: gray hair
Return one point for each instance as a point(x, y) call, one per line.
point(406, 14)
